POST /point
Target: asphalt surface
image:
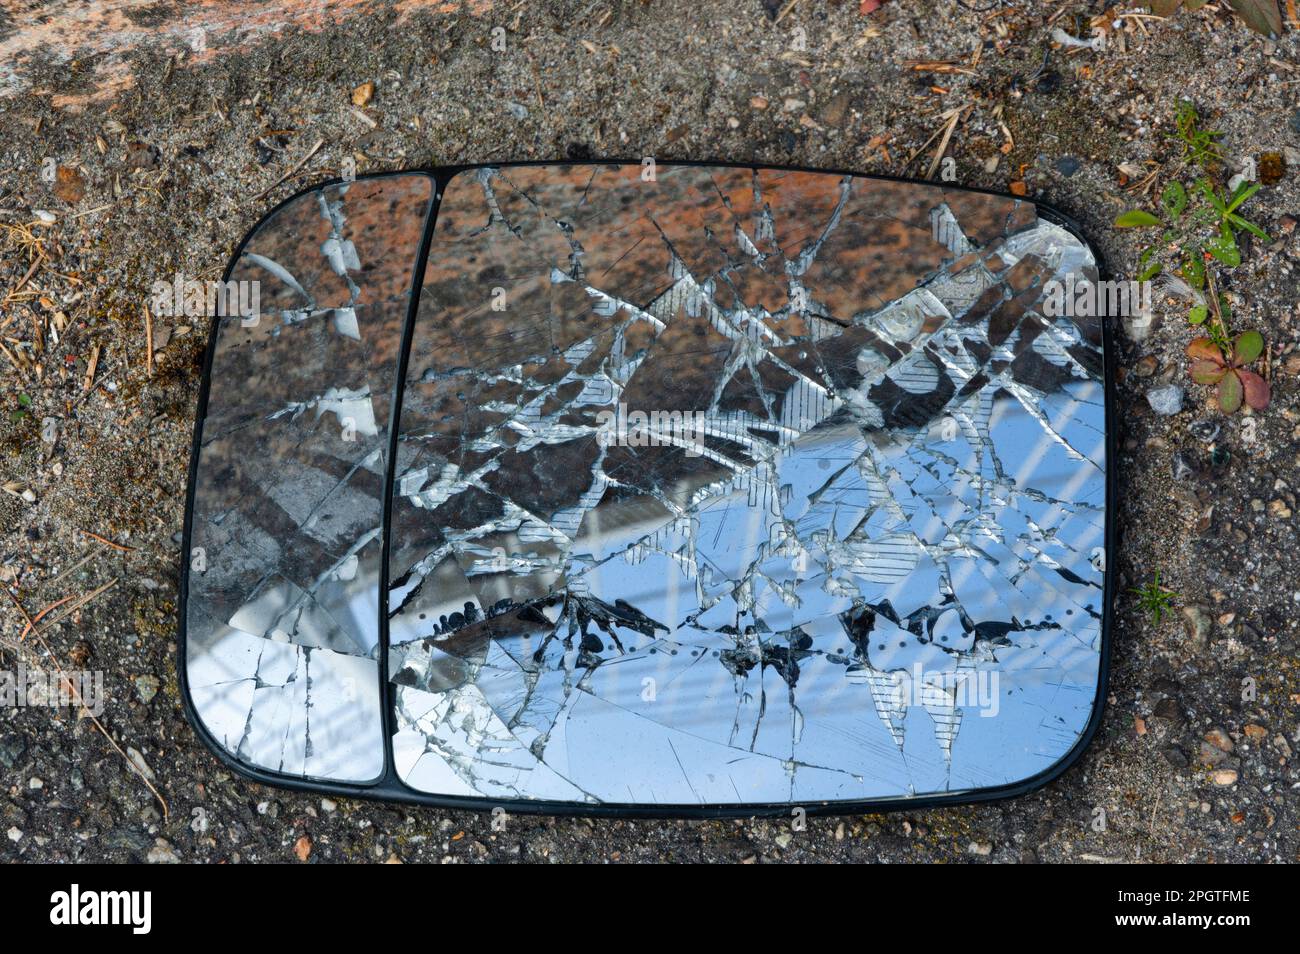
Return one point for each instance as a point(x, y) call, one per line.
point(173, 152)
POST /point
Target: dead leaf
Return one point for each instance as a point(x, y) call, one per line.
point(69, 185)
point(1262, 16)
point(302, 848)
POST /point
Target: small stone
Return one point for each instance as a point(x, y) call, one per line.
point(1168, 709)
point(1146, 366)
point(302, 848)
point(1197, 622)
point(1279, 509)
point(140, 155)
point(15, 834)
point(363, 94)
point(1166, 400)
point(1182, 466)
point(328, 804)
point(1204, 430)
point(1255, 732)
point(12, 749)
point(35, 782)
point(518, 110)
point(162, 853)
point(981, 848)
point(758, 102)
point(1067, 165)
point(1225, 777)
point(783, 840)
point(1219, 739)
point(137, 760)
point(146, 687)
point(1174, 756)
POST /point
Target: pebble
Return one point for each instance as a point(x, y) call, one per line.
point(146, 687)
point(1182, 467)
point(162, 853)
point(1146, 366)
point(1225, 777)
point(1197, 623)
point(363, 94)
point(517, 110)
point(1166, 400)
point(783, 840)
point(15, 834)
point(1168, 709)
point(1294, 122)
point(1067, 165)
point(138, 761)
point(1204, 430)
point(981, 848)
point(12, 748)
point(1219, 739)
point(1279, 509)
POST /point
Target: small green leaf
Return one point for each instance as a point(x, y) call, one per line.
point(1193, 270)
point(1136, 218)
point(1204, 349)
point(1230, 393)
point(24, 401)
point(1174, 199)
point(1244, 192)
point(1247, 348)
point(1207, 372)
point(1225, 308)
point(1253, 229)
point(1198, 314)
point(1224, 248)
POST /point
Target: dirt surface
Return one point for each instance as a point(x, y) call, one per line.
point(171, 153)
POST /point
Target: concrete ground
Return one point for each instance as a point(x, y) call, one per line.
point(177, 124)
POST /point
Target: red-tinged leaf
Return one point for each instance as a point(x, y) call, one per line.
point(1257, 391)
point(1207, 372)
point(1230, 393)
point(1262, 16)
point(1247, 347)
point(1205, 350)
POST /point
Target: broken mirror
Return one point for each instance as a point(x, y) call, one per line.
point(659, 489)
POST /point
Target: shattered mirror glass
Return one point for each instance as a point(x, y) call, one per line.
point(708, 488)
